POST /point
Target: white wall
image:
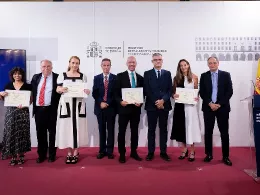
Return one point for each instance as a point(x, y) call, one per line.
point(59, 30)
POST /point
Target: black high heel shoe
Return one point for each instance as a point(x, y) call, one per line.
point(13, 162)
point(68, 159)
point(193, 158)
point(75, 159)
point(184, 155)
point(21, 160)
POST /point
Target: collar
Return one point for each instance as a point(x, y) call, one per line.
point(214, 72)
point(129, 72)
point(106, 75)
point(49, 76)
point(157, 70)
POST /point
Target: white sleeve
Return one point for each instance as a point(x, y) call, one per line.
point(84, 78)
point(60, 79)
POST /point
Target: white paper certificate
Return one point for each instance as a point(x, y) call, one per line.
point(133, 95)
point(16, 98)
point(75, 89)
point(186, 96)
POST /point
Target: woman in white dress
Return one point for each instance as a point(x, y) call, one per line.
point(72, 117)
point(186, 127)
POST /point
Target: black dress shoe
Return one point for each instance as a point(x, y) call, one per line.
point(165, 157)
point(136, 157)
point(101, 155)
point(40, 160)
point(208, 158)
point(227, 161)
point(150, 157)
point(110, 156)
point(51, 159)
point(122, 159)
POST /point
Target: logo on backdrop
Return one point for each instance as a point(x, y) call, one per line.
point(95, 50)
point(228, 48)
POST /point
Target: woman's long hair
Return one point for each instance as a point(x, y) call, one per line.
point(179, 74)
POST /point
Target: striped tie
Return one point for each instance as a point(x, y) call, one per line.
point(42, 92)
point(106, 88)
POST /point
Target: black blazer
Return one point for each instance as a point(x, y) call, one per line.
point(98, 91)
point(123, 81)
point(155, 90)
point(225, 90)
point(55, 97)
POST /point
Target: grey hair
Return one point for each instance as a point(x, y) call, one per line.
point(46, 61)
point(212, 57)
point(156, 54)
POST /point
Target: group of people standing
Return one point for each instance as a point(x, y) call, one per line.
point(66, 118)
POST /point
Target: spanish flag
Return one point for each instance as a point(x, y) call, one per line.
point(257, 82)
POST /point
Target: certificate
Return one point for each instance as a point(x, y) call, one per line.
point(133, 95)
point(186, 96)
point(75, 89)
point(16, 98)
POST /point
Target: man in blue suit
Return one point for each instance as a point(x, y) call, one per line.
point(216, 90)
point(158, 91)
point(105, 109)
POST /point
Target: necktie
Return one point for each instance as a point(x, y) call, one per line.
point(214, 87)
point(133, 80)
point(159, 74)
point(42, 92)
point(106, 88)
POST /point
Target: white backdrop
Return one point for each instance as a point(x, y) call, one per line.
point(57, 31)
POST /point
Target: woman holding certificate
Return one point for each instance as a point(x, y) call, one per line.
point(71, 129)
point(17, 140)
point(185, 128)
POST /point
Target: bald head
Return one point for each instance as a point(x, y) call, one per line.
point(46, 67)
point(131, 63)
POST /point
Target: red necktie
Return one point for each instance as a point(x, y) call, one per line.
point(42, 92)
point(106, 88)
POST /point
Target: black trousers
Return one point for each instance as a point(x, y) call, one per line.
point(222, 116)
point(123, 121)
point(45, 120)
point(152, 123)
point(106, 125)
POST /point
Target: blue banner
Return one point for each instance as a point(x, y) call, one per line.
point(10, 58)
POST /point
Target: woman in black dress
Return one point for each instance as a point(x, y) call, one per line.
point(17, 139)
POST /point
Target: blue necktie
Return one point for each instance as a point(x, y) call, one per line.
point(214, 87)
point(133, 80)
point(159, 74)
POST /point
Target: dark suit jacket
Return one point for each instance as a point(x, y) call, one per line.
point(123, 81)
point(99, 91)
point(225, 90)
point(155, 90)
point(55, 97)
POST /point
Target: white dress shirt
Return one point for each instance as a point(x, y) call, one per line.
point(104, 77)
point(156, 71)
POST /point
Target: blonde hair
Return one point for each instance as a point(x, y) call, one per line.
point(73, 57)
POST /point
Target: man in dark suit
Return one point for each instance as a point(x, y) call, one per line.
point(45, 105)
point(158, 91)
point(128, 112)
point(216, 91)
point(105, 109)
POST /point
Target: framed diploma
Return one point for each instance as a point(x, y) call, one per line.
point(186, 96)
point(16, 98)
point(133, 95)
point(75, 89)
